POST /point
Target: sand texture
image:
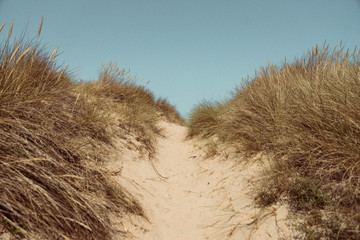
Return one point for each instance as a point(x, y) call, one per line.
point(187, 196)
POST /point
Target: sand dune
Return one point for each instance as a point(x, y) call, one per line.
point(186, 196)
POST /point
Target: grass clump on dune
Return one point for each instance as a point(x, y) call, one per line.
point(305, 116)
point(136, 108)
point(53, 141)
point(49, 146)
point(169, 111)
point(204, 119)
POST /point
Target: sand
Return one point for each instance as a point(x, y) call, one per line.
point(187, 196)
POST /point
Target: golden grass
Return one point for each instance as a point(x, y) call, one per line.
point(305, 117)
point(2, 26)
point(204, 119)
point(40, 27)
point(53, 140)
point(116, 92)
point(169, 111)
point(11, 28)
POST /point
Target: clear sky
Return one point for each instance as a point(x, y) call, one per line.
point(188, 50)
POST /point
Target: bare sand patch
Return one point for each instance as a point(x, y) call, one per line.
point(186, 196)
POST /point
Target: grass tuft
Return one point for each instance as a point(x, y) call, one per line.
point(305, 116)
point(54, 137)
point(204, 119)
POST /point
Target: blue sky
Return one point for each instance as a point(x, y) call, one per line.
point(188, 50)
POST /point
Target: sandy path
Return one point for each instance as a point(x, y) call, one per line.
point(188, 197)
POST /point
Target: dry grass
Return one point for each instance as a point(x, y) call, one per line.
point(116, 93)
point(204, 119)
point(169, 111)
point(306, 117)
point(53, 140)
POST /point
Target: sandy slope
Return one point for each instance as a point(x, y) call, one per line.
point(189, 197)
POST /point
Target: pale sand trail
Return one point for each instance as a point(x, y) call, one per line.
point(189, 197)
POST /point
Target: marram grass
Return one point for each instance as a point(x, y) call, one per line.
point(305, 116)
point(53, 139)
